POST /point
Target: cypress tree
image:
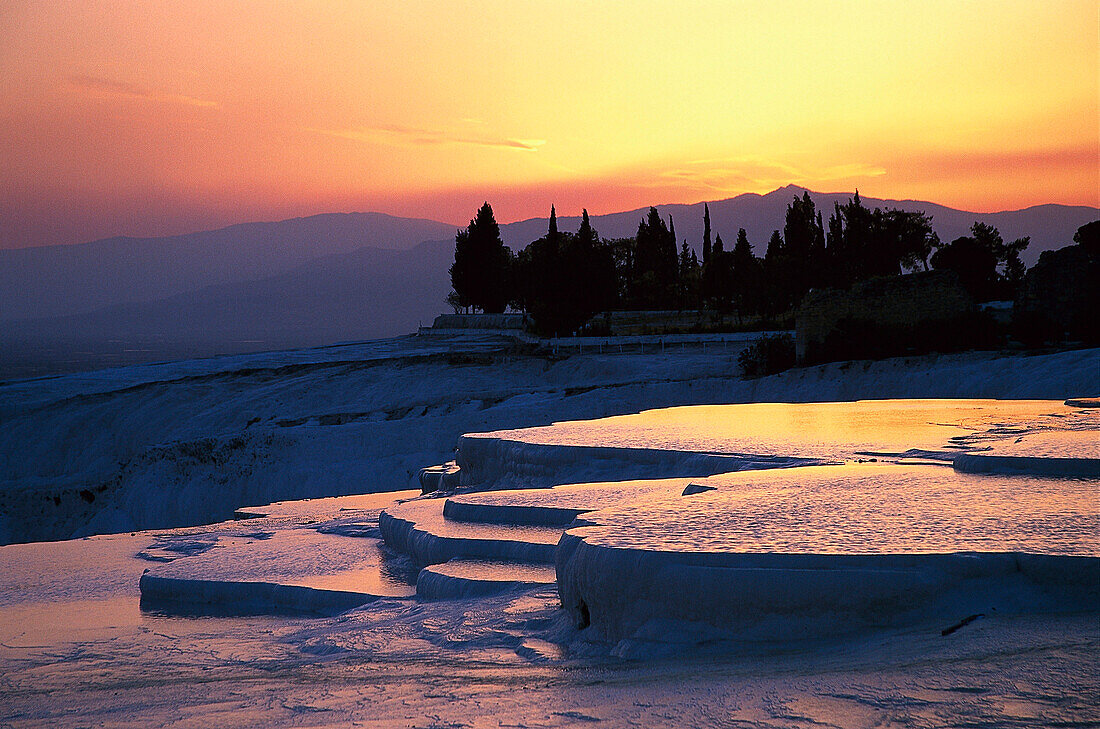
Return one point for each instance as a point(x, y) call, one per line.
point(747, 275)
point(655, 262)
point(481, 271)
point(598, 266)
point(804, 242)
point(670, 266)
point(721, 276)
point(742, 250)
point(706, 234)
point(585, 232)
point(777, 284)
point(462, 271)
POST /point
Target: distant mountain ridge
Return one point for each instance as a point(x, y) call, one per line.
point(61, 280)
point(365, 293)
point(331, 277)
point(1050, 226)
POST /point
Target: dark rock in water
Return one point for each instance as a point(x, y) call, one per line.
point(1083, 402)
point(695, 488)
point(352, 529)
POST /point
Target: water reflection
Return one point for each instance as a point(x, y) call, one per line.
point(831, 430)
point(862, 509)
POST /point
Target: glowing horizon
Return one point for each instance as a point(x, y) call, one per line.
point(143, 119)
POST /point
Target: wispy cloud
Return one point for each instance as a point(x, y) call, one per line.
point(745, 173)
point(397, 134)
point(105, 87)
point(956, 164)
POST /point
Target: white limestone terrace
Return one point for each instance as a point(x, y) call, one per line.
point(36, 391)
point(325, 555)
point(858, 508)
point(188, 443)
point(557, 506)
point(294, 570)
point(832, 548)
point(419, 529)
point(708, 439)
point(314, 556)
point(76, 647)
point(1071, 454)
point(325, 508)
point(818, 547)
point(475, 578)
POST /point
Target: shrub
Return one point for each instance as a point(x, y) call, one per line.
point(770, 354)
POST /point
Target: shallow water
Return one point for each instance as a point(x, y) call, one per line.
point(515, 659)
point(861, 509)
point(428, 514)
point(835, 430)
point(496, 571)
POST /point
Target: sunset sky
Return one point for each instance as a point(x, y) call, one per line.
point(155, 118)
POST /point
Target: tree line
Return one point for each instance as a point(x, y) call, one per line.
point(562, 279)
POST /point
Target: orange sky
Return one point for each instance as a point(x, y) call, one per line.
point(154, 118)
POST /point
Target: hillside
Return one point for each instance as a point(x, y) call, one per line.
point(362, 294)
point(326, 278)
point(61, 280)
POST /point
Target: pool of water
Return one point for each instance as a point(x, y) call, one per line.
point(878, 508)
point(580, 496)
point(833, 430)
point(296, 557)
point(495, 571)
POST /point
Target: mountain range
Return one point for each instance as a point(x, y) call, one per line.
point(331, 277)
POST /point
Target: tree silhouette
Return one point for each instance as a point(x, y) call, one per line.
point(747, 276)
point(851, 232)
point(540, 279)
point(706, 234)
point(974, 259)
point(480, 274)
point(721, 277)
point(462, 272)
point(585, 232)
point(1088, 237)
point(903, 240)
point(988, 267)
point(622, 252)
point(689, 278)
point(591, 266)
point(862, 243)
point(776, 287)
point(565, 278)
point(803, 246)
point(1014, 269)
point(655, 262)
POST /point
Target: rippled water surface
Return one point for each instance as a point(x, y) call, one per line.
point(878, 508)
point(829, 430)
point(858, 508)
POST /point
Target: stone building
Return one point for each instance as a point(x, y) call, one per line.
point(884, 317)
